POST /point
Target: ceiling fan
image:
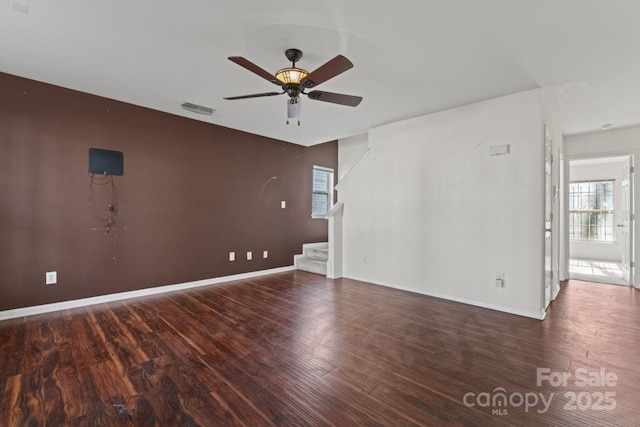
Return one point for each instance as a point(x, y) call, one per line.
point(295, 81)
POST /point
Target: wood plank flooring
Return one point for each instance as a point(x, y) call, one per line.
point(297, 349)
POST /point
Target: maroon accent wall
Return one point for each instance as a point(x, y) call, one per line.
point(191, 193)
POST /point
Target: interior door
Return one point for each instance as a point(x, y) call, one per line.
point(548, 217)
point(625, 222)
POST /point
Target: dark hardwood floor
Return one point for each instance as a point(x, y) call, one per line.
point(297, 349)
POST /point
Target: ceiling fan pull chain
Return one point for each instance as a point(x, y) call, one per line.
point(288, 110)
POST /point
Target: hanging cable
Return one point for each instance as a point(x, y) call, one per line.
point(93, 181)
point(111, 219)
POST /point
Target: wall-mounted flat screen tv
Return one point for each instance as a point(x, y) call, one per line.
point(106, 162)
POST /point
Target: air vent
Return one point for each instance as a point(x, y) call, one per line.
point(200, 109)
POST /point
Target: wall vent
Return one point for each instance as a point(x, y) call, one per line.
point(200, 109)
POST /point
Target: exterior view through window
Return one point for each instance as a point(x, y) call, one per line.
point(591, 210)
point(322, 190)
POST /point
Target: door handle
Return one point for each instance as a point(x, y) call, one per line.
point(620, 225)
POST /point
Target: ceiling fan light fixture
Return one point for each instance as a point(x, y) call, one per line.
point(291, 75)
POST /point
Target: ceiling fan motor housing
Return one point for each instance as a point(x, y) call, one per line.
point(293, 91)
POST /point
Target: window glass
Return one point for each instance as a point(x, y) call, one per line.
point(322, 191)
point(591, 210)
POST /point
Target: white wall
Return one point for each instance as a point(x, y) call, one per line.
point(431, 211)
point(351, 150)
point(613, 142)
point(621, 141)
point(609, 251)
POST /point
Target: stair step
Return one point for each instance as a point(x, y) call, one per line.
point(312, 265)
point(317, 253)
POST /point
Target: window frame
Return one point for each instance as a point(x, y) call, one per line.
point(329, 191)
point(611, 211)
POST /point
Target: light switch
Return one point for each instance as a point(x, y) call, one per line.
point(51, 277)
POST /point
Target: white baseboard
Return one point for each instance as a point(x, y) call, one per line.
point(64, 305)
point(503, 308)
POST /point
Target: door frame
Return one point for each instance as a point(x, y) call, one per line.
point(565, 171)
point(549, 278)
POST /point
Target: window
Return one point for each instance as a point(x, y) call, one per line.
point(322, 190)
point(591, 210)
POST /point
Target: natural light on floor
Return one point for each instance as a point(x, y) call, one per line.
point(596, 270)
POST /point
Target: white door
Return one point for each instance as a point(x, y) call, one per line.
point(548, 217)
point(625, 221)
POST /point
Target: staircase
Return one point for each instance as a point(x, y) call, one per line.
point(314, 258)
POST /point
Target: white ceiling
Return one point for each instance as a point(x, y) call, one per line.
point(411, 57)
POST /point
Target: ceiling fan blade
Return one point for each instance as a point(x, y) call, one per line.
point(337, 65)
point(245, 63)
point(255, 95)
point(335, 98)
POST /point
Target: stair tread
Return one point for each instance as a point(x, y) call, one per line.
point(323, 259)
point(313, 260)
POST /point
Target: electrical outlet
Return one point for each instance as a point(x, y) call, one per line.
point(283, 204)
point(51, 277)
point(265, 254)
point(249, 256)
point(232, 256)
